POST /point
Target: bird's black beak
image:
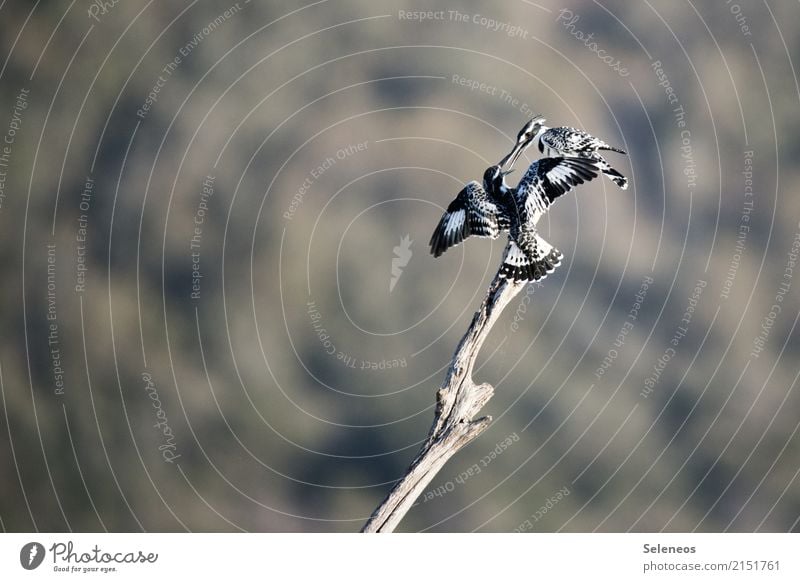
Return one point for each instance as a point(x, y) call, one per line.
point(524, 139)
point(521, 145)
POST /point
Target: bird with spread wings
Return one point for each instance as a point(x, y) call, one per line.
point(488, 209)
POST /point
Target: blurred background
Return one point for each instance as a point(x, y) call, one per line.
point(219, 311)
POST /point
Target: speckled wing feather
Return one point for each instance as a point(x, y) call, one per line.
point(569, 141)
point(472, 213)
point(550, 178)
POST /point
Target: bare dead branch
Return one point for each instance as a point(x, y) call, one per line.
point(457, 402)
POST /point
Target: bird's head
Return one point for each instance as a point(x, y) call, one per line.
point(524, 138)
point(493, 179)
point(530, 129)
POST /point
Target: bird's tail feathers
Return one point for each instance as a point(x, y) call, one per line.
point(609, 148)
point(518, 267)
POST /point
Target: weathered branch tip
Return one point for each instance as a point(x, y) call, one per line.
point(458, 401)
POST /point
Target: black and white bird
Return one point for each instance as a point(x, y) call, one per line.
point(494, 207)
point(568, 141)
point(476, 211)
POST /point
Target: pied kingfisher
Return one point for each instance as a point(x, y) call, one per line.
point(494, 207)
point(568, 141)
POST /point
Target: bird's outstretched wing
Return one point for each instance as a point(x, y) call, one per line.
point(569, 140)
point(532, 266)
point(550, 178)
point(472, 213)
